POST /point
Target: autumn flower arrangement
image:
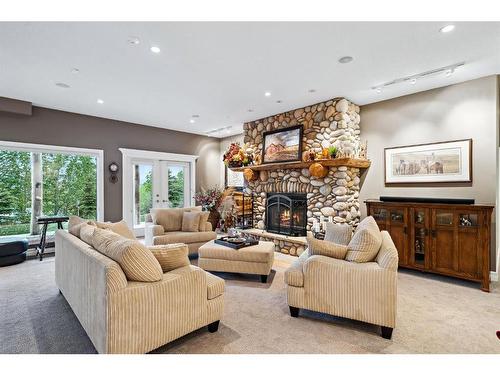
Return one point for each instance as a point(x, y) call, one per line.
point(236, 156)
point(209, 199)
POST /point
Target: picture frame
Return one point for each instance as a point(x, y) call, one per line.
point(282, 145)
point(233, 179)
point(429, 163)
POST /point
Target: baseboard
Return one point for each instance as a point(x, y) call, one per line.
point(493, 276)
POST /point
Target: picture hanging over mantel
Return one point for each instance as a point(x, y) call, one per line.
point(441, 162)
point(282, 145)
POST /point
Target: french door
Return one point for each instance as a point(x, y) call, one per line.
point(155, 184)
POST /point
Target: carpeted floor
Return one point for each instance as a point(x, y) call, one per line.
point(435, 315)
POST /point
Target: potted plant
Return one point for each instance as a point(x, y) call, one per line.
point(332, 152)
point(210, 200)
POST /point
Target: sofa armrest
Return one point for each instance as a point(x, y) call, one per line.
point(151, 231)
point(294, 275)
point(387, 256)
point(208, 227)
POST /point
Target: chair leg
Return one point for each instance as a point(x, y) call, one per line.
point(213, 327)
point(386, 332)
point(294, 311)
point(263, 279)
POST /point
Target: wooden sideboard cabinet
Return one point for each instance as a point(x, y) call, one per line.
point(447, 239)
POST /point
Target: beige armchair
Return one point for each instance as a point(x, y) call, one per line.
point(360, 291)
point(164, 226)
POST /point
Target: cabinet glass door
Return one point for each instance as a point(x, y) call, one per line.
point(420, 251)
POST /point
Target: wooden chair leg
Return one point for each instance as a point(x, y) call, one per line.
point(386, 332)
point(213, 327)
point(294, 311)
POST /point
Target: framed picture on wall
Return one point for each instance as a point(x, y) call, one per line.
point(430, 163)
point(282, 145)
point(233, 179)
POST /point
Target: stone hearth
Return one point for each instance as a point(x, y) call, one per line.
point(331, 123)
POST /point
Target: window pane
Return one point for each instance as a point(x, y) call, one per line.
point(143, 192)
point(176, 186)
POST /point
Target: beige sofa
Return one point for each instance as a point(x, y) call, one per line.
point(122, 316)
point(360, 291)
point(164, 226)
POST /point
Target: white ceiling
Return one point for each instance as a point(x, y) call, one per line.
point(221, 70)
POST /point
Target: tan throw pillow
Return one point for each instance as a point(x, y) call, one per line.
point(171, 256)
point(86, 233)
point(170, 218)
point(203, 220)
point(339, 233)
point(119, 227)
point(326, 248)
point(365, 242)
point(191, 222)
point(136, 261)
point(75, 224)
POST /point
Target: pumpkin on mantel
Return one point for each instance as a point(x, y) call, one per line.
point(318, 170)
point(249, 174)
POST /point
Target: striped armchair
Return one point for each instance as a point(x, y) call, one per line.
point(360, 291)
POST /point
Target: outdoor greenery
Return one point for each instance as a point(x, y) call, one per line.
point(69, 188)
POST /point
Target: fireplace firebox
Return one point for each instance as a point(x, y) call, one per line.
point(286, 213)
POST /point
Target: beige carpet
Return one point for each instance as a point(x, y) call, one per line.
point(435, 315)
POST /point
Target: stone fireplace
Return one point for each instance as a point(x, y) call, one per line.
point(331, 123)
point(286, 214)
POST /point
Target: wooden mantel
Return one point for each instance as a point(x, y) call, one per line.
point(347, 162)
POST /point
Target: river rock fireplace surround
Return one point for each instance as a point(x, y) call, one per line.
point(331, 123)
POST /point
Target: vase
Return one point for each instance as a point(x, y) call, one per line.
point(214, 218)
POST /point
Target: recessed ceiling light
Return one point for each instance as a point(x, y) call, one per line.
point(155, 49)
point(378, 90)
point(195, 116)
point(192, 121)
point(100, 101)
point(75, 70)
point(447, 28)
point(311, 90)
point(134, 40)
point(63, 85)
point(279, 101)
point(250, 110)
point(345, 59)
point(413, 81)
point(267, 93)
point(449, 72)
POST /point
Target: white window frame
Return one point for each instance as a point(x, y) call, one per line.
point(50, 149)
point(130, 154)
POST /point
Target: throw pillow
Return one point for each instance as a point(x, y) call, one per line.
point(326, 248)
point(191, 221)
point(86, 233)
point(203, 220)
point(365, 242)
point(119, 227)
point(136, 261)
point(171, 256)
point(75, 224)
point(339, 233)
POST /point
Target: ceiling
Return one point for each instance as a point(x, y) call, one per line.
point(220, 71)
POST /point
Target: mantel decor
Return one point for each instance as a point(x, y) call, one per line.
point(282, 145)
point(442, 162)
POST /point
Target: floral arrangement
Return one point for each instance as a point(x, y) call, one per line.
point(236, 156)
point(209, 199)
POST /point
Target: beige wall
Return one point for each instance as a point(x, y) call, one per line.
point(466, 110)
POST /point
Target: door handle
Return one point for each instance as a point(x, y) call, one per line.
point(157, 201)
point(433, 233)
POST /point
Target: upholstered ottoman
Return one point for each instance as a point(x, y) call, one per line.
point(256, 260)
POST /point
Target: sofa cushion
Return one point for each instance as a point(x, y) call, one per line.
point(87, 233)
point(339, 233)
point(191, 221)
point(75, 224)
point(137, 262)
point(171, 218)
point(184, 237)
point(119, 227)
point(171, 256)
point(215, 286)
point(204, 220)
point(326, 248)
point(365, 242)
